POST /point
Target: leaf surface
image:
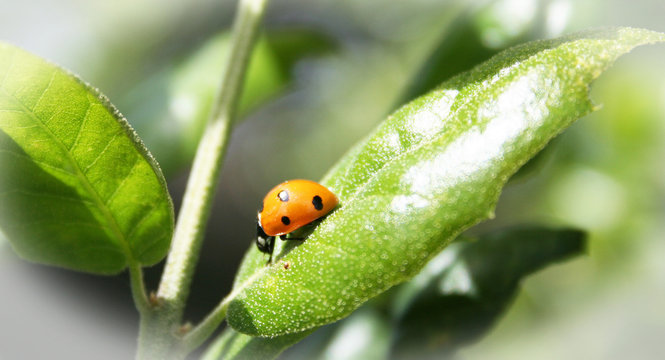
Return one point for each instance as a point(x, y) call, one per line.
point(77, 187)
point(431, 170)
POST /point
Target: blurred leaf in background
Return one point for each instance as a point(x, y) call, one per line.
point(171, 108)
point(464, 290)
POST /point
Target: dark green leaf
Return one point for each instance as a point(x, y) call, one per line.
point(77, 187)
point(431, 170)
point(292, 45)
point(462, 291)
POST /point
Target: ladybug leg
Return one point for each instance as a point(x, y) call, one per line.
point(301, 233)
point(284, 237)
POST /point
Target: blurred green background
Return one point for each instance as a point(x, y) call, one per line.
point(324, 74)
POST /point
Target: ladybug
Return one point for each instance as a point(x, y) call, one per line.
point(288, 207)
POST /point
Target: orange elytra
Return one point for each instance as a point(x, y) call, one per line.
point(290, 206)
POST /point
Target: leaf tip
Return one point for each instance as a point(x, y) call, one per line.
point(642, 36)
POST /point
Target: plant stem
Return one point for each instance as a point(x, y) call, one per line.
point(205, 328)
point(138, 288)
point(174, 287)
point(194, 213)
point(202, 331)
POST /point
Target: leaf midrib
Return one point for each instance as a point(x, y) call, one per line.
point(106, 213)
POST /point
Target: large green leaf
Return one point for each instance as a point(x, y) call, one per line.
point(431, 170)
point(461, 293)
point(77, 187)
point(455, 299)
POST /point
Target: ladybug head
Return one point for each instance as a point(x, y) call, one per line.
point(264, 242)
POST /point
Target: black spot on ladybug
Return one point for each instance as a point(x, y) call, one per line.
point(286, 220)
point(317, 202)
point(283, 196)
point(261, 208)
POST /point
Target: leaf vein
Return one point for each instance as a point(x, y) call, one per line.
point(105, 211)
point(80, 129)
point(43, 194)
point(28, 224)
point(39, 162)
point(122, 183)
point(152, 244)
point(108, 144)
point(138, 223)
point(41, 96)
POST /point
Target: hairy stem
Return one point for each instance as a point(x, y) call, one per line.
point(174, 287)
point(160, 326)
